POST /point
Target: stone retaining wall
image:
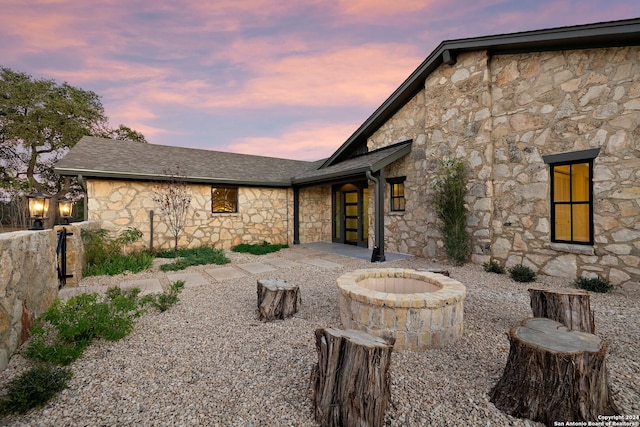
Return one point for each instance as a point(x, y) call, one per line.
point(29, 279)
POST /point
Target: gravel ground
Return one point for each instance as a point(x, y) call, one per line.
point(209, 361)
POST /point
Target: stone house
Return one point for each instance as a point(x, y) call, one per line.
point(546, 122)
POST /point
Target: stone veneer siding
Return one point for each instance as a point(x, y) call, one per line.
point(315, 214)
point(501, 114)
point(263, 214)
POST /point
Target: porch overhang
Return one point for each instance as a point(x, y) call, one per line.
point(356, 167)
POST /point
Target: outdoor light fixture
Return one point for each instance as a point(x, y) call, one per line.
point(38, 209)
point(65, 210)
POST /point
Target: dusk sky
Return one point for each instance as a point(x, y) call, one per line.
point(282, 78)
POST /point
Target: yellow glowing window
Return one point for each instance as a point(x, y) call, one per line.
point(571, 205)
point(224, 199)
point(397, 193)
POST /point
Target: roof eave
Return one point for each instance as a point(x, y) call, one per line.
point(357, 172)
point(146, 177)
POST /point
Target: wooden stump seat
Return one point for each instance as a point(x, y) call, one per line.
point(351, 381)
point(571, 307)
point(554, 374)
point(277, 299)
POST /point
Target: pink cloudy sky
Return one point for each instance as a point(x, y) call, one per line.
point(284, 78)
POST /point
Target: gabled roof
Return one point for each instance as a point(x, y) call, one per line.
point(108, 158)
point(356, 166)
point(600, 35)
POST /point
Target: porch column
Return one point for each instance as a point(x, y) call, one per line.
point(296, 211)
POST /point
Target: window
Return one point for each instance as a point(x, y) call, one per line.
point(224, 199)
point(397, 193)
point(572, 197)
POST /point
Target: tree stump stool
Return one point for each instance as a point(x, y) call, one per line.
point(351, 381)
point(277, 299)
point(554, 374)
point(571, 307)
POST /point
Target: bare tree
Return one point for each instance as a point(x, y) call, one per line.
point(174, 199)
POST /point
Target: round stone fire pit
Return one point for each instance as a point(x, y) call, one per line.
point(420, 309)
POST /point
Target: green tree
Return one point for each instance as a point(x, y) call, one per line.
point(124, 133)
point(40, 120)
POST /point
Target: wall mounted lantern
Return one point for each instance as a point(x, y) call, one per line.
point(65, 210)
point(38, 209)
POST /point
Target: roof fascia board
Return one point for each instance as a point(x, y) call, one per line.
point(392, 158)
point(145, 177)
point(616, 33)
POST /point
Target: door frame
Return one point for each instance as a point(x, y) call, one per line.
point(338, 223)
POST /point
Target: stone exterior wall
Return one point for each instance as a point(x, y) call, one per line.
point(28, 284)
point(263, 214)
point(315, 214)
point(501, 114)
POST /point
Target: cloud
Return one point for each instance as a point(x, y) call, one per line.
point(304, 141)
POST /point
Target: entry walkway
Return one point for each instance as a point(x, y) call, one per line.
point(352, 251)
point(314, 254)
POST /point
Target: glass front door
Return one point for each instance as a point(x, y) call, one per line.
point(351, 214)
point(351, 217)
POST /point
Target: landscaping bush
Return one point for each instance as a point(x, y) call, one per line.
point(62, 333)
point(493, 267)
point(194, 256)
point(594, 284)
point(522, 273)
point(107, 256)
point(33, 388)
point(450, 189)
point(258, 248)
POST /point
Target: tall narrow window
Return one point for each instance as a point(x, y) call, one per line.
point(572, 197)
point(224, 199)
point(397, 193)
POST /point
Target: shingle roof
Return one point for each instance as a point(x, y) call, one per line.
point(357, 166)
point(107, 158)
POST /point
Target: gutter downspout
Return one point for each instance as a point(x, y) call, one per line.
point(296, 212)
point(378, 248)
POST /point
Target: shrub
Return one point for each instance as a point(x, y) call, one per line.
point(522, 273)
point(258, 248)
point(106, 256)
point(62, 333)
point(33, 388)
point(493, 267)
point(194, 256)
point(450, 189)
point(594, 284)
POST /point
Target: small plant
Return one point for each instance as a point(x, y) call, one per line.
point(33, 388)
point(258, 248)
point(593, 284)
point(165, 300)
point(522, 273)
point(493, 267)
point(194, 256)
